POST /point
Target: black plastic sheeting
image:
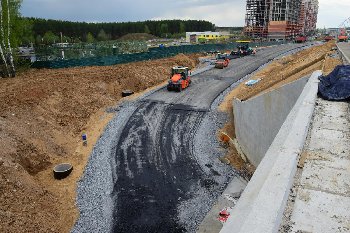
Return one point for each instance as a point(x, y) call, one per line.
point(336, 85)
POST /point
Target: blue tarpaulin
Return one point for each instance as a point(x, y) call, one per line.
point(336, 85)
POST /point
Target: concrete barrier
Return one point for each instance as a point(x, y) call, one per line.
point(259, 119)
point(262, 203)
point(344, 49)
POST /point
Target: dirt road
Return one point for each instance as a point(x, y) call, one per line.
point(156, 170)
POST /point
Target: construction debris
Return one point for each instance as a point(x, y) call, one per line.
point(224, 214)
point(252, 82)
point(62, 170)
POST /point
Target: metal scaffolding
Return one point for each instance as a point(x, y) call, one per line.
point(280, 19)
point(257, 18)
point(308, 17)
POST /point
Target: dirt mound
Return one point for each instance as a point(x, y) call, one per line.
point(42, 116)
point(183, 60)
point(285, 68)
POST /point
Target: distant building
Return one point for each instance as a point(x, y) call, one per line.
point(332, 32)
point(280, 19)
point(195, 37)
point(308, 17)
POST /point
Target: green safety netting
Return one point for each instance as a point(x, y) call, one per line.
point(150, 54)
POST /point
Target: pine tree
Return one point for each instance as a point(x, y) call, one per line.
point(90, 38)
point(147, 29)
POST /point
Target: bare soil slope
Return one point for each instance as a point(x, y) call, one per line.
point(278, 73)
point(42, 116)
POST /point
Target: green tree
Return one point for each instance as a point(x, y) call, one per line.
point(76, 40)
point(24, 34)
point(102, 36)
point(38, 40)
point(182, 27)
point(117, 30)
point(147, 29)
point(164, 28)
point(66, 39)
point(90, 38)
point(9, 34)
point(50, 38)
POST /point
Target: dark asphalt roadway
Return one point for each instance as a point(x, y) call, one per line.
point(155, 166)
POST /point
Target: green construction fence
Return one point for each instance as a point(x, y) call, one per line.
point(152, 53)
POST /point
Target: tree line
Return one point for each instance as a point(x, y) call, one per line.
point(48, 31)
point(16, 31)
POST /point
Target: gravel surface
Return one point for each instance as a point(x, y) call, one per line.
point(94, 188)
point(207, 150)
point(156, 167)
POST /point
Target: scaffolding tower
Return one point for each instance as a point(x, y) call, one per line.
point(257, 18)
point(311, 12)
point(277, 19)
point(284, 19)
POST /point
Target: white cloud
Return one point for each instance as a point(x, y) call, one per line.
point(221, 13)
point(333, 13)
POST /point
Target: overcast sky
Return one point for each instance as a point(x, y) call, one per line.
point(221, 13)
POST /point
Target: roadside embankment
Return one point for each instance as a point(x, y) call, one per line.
point(269, 124)
point(262, 203)
point(279, 73)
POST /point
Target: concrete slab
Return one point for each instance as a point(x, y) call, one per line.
point(332, 160)
point(328, 176)
point(318, 211)
point(335, 141)
point(331, 116)
point(322, 202)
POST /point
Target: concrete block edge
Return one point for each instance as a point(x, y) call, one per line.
point(347, 59)
point(307, 100)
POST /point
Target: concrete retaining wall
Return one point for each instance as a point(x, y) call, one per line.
point(259, 119)
point(344, 49)
point(262, 203)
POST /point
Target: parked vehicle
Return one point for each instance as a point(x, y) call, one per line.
point(300, 39)
point(328, 38)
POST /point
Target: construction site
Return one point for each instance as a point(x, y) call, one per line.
point(280, 19)
point(251, 138)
